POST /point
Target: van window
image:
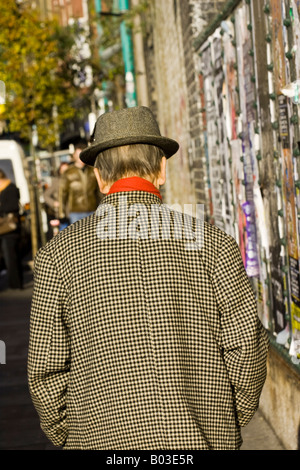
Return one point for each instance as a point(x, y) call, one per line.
point(6, 166)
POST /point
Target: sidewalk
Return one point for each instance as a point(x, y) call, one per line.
point(19, 423)
point(258, 435)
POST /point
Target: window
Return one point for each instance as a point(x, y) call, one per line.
point(7, 167)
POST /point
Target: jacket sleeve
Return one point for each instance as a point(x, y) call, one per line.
point(49, 351)
point(62, 196)
point(244, 339)
point(51, 194)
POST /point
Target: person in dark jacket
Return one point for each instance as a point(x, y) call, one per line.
point(10, 241)
point(51, 196)
point(79, 195)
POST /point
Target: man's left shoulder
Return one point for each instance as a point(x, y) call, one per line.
point(75, 234)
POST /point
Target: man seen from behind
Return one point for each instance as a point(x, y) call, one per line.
point(144, 332)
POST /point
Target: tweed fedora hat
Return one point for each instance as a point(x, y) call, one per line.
point(124, 127)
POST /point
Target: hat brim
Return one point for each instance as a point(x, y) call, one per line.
point(169, 146)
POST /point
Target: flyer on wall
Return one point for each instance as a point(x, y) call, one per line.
point(212, 147)
point(247, 98)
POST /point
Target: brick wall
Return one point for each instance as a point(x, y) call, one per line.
point(173, 85)
point(195, 154)
point(168, 95)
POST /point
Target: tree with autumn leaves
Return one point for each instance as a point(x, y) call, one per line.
point(42, 66)
point(37, 67)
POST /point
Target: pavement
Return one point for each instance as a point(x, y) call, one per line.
point(19, 423)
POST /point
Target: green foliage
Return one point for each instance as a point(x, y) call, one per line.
point(141, 9)
point(36, 66)
point(106, 35)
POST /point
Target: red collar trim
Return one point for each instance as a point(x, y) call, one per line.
point(134, 183)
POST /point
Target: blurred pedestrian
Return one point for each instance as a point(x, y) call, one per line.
point(10, 231)
point(78, 190)
point(51, 197)
point(144, 333)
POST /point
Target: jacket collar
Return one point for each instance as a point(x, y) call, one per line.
point(132, 197)
point(134, 183)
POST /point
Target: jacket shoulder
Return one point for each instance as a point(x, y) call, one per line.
point(212, 244)
point(10, 189)
point(71, 171)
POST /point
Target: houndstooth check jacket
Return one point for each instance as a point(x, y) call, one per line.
point(143, 338)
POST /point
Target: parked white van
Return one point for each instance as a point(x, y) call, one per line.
point(12, 162)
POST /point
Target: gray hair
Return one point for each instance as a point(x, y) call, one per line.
point(128, 160)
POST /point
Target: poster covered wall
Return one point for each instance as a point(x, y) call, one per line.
point(235, 155)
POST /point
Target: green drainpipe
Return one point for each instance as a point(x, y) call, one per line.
point(128, 58)
point(98, 7)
